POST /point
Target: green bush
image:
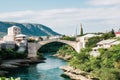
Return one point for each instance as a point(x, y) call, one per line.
point(4, 78)
point(11, 54)
point(107, 74)
point(68, 38)
point(93, 41)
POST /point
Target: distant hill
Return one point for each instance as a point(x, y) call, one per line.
point(27, 28)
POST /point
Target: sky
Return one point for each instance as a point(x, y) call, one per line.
point(64, 16)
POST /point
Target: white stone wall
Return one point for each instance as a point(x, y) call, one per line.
point(8, 38)
point(117, 35)
point(14, 30)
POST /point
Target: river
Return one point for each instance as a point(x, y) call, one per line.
point(41, 71)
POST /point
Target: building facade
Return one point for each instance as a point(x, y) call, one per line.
point(14, 37)
point(21, 40)
point(84, 39)
point(14, 30)
point(104, 44)
point(11, 34)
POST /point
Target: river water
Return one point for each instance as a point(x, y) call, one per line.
point(42, 71)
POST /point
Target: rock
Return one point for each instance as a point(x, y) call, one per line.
point(75, 74)
point(3, 66)
point(65, 57)
point(2, 73)
point(19, 63)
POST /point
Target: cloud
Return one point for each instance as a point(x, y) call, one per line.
point(65, 14)
point(104, 2)
point(63, 19)
point(18, 14)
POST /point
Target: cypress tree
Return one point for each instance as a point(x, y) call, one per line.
point(112, 33)
point(81, 30)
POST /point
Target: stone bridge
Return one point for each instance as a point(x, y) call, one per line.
point(34, 47)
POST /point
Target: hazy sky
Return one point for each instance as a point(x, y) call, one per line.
point(64, 16)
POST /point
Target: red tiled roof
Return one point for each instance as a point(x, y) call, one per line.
point(117, 32)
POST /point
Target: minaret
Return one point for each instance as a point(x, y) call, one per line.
point(81, 30)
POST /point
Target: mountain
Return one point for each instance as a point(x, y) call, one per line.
point(27, 29)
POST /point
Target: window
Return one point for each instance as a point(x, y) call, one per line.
point(15, 29)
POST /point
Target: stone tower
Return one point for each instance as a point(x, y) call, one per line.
point(12, 32)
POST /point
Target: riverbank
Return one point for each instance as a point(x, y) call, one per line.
point(41, 71)
point(103, 67)
point(16, 63)
point(75, 74)
point(64, 57)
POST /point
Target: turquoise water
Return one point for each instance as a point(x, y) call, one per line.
point(42, 71)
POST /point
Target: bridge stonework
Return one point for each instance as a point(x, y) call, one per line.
point(32, 50)
point(34, 47)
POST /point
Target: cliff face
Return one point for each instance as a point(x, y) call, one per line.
point(27, 28)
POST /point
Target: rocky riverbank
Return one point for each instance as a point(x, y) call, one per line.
point(64, 57)
point(75, 74)
point(16, 63)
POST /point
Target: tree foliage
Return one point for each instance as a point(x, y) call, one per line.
point(51, 47)
point(68, 38)
point(93, 41)
point(66, 50)
point(104, 67)
point(4, 78)
point(11, 54)
point(108, 35)
point(81, 31)
point(31, 40)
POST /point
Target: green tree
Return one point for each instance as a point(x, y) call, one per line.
point(81, 30)
point(112, 33)
point(40, 39)
point(93, 41)
point(68, 38)
point(108, 35)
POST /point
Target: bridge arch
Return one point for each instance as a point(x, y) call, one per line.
point(73, 45)
point(34, 47)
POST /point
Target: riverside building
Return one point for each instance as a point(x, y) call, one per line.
point(117, 34)
point(104, 44)
point(84, 39)
point(11, 34)
point(14, 37)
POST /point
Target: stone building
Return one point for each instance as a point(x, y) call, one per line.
point(14, 37)
point(117, 34)
point(104, 44)
point(12, 32)
point(21, 40)
point(84, 39)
